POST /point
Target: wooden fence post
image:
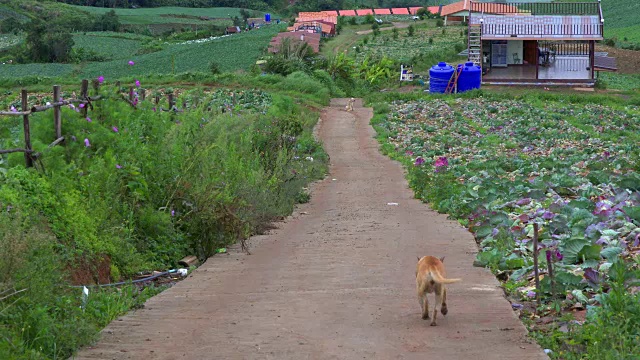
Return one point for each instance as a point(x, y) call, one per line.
point(84, 94)
point(131, 94)
point(57, 114)
point(170, 98)
point(27, 133)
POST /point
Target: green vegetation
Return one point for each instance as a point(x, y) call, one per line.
point(568, 163)
point(137, 189)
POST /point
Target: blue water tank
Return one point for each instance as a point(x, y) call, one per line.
point(267, 17)
point(470, 77)
point(439, 76)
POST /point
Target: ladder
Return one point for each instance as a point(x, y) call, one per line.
point(475, 44)
point(453, 81)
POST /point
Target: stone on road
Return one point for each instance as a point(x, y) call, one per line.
point(333, 281)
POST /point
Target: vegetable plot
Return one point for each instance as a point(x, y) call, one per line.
point(500, 166)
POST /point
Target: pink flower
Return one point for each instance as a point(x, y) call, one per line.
point(115, 129)
point(86, 142)
point(138, 83)
point(100, 79)
point(13, 109)
point(131, 63)
point(81, 106)
point(118, 166)
point(88, 119)
point(419, 161)
point(442, 161)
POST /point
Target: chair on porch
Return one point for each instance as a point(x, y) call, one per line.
point(516, 58)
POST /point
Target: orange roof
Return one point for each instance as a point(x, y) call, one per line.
point(362, 12)
point(321, 15)
point(414, 10)
point(347, 13)
point(382, 11)
point(331, 12)
point(465, 5)
point(434, 9)
point(400, 11)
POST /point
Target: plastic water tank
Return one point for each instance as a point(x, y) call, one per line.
point(439, 76)
point(470, 77)
point(267, 17)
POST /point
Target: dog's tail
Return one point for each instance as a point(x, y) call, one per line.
point(436, 277)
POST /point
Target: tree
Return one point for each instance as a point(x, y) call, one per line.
point(411, 30)
point(44, 44)
point(108, 22)
point(10, 25)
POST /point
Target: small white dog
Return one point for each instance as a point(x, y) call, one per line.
point(349, 106)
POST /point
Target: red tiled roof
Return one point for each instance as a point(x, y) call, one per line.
point(331, 12)
point(347, 13)
point(400, 11)
point(465, 5)
point(414, 10)
point(434, 9)
point(362, 12)
point(382, 11)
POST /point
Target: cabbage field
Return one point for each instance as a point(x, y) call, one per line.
point(501, 166)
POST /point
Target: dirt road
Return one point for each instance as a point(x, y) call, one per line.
point(335, 281)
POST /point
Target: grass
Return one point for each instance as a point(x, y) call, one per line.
point(161, 15)
point(624, 82)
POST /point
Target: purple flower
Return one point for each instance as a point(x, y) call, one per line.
point(173, 213)
point(419, 161)
point(131, 63)
point(118, 166)
point(100, 79)
point(559, 255)
point(409, 152)
point(81, 106)
point(442, 161)
point(525, 201)
point(87, 143)
point(531, 294)
point(13, 109)
point(115, 129)
point(88, 119)
point(494, 232)
point(138, 83)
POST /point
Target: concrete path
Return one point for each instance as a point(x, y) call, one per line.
point(334, 281)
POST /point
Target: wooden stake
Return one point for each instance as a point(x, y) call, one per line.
point(536, 272)
point(84, 94)
point(57, 114)
point(27, 132)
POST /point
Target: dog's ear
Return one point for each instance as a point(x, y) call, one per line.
point(442, 259)
point(418, 258)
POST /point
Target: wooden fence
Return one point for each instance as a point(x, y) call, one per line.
point(87, 102)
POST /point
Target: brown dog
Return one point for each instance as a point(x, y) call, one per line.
point(430, 277)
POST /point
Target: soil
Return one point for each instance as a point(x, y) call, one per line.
point(334, 281)
point(628, 61)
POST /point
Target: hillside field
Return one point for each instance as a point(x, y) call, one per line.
point(236, 52)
